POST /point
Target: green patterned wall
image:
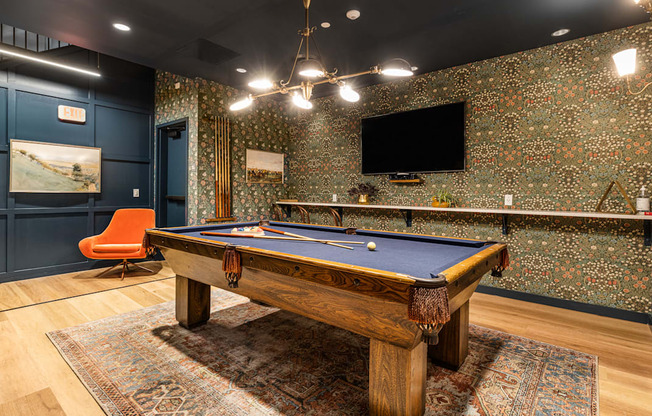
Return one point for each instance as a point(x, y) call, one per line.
point(265, 127)
point(552, 126)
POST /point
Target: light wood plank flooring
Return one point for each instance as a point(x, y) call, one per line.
point(33, 376)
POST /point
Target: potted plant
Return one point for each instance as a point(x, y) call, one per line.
point(363, 191)
point(443, 199)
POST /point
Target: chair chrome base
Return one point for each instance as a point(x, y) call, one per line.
point(125, 267)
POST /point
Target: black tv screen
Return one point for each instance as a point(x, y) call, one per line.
point(417, 141)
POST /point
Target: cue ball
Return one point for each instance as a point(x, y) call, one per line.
point(371, 246)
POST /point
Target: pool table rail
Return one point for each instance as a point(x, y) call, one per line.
point(377, 283)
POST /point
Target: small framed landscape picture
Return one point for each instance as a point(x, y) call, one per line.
point(264, 167)
point(39, 167)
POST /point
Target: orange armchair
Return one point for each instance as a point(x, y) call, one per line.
point(122, 239)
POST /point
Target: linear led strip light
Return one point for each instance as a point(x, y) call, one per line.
point(30, 57)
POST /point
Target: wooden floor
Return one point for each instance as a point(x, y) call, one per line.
point(35, 380)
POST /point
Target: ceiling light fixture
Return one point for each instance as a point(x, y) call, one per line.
point(122, 27)
point(312, 68)
point(560, 32)
point(325, 25)
point(353, 14)
point(241, 70)
point(626, 66)
point(30, 56)
point(239, 105)
point(301, 102)
point(261, 84)
point(349, 94)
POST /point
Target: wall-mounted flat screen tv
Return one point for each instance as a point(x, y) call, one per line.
point(417, 141)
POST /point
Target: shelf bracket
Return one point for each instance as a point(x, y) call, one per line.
point(407, 216)
point(505, 224)
point(647, 233)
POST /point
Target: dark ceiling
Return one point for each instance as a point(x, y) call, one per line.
point(211, 38)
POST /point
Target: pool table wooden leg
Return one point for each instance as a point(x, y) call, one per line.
point(397, 379)
point(453, 346)
point(193, 302)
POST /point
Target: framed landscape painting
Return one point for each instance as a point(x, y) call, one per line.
point(264, 167)
point(40, 167)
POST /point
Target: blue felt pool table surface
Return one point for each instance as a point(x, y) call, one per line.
point(415, 255)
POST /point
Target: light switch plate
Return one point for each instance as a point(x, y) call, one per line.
point(508, 200)
point(334, 197)
point(136, 193)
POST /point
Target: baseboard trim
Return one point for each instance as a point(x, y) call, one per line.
point(639, 317)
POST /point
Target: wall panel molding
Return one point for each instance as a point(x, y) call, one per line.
point(54, 223)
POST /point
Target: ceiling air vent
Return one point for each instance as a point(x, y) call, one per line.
point(207, 51)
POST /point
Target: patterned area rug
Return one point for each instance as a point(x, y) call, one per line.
point(255, 360)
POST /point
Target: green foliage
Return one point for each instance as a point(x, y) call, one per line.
point(443, 196)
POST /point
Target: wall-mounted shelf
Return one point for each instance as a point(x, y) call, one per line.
point(505, 213)
point(407, 181)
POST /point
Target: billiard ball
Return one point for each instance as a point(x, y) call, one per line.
point(371, 246)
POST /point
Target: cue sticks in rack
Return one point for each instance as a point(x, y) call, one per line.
point(222, 154)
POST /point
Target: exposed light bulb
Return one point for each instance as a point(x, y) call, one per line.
point(239, 105)
point(349, 94)
point(301, 102)
point(397, 68)
point(625, 61)
point(311, 73)
point(261, 84)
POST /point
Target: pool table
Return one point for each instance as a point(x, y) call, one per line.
point(381, 294)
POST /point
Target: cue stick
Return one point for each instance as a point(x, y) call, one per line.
point(217, 185)
point(227, 146)
point(267, 237)
point(303, 237)
point(220, 138)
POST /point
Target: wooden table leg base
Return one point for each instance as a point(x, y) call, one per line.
point(453, 346)
point(193, 302)
point(397, 379)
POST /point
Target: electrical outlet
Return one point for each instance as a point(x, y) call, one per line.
point(136, 193)
point(508, 200)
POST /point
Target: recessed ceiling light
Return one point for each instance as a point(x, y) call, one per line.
point(560, 32)
point(241, 70)
point(325, 25)
point(414, 68)
point(353, 14)
point(122, 27)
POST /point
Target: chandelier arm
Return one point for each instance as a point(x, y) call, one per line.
point(294, 65)
point(321, 59)
point(629, 88)
point(277, 91)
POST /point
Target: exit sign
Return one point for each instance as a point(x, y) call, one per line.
point(72, 114)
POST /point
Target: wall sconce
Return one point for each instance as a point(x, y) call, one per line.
point(626, 66)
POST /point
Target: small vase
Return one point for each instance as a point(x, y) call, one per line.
point(363, 199)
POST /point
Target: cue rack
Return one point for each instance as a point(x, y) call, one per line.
point(222, 156)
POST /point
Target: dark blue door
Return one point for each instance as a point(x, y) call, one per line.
point(172, 174)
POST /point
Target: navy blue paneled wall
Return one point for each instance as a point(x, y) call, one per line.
point(39, 232)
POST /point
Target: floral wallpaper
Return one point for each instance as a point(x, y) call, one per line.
point(172, 104)
point(551, 126)
point(265, 127)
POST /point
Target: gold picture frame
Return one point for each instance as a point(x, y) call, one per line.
point(42, 167)
point(265, 167)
